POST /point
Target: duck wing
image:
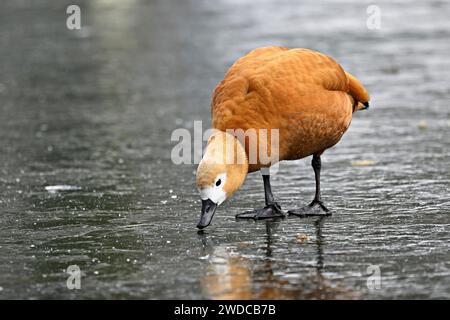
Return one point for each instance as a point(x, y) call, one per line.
point(268, 79)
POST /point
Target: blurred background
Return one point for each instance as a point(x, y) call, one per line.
point(86, 177)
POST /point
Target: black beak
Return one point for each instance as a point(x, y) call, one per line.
point(366, 105)
point(208, 210)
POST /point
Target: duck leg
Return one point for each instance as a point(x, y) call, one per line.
point(316, 207)
point(272, 208)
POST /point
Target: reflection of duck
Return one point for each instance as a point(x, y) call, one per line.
point(230, 276)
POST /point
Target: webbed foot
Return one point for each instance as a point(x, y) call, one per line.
point(315, 208)
point(270, 211)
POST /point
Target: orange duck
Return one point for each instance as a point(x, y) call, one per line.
point(303, 94)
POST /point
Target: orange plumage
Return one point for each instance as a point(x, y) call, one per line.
point(303, 93)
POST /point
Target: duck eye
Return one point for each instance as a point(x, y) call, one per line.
point(218, 182)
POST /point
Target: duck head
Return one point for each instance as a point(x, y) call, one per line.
point(220, 173)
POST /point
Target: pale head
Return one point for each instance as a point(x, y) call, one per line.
point(220, 173)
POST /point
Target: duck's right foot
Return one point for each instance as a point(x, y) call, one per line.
point(270, 211)
point(315, 208)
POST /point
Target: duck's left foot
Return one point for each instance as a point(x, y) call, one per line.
point(315, 208)
point(270, 211)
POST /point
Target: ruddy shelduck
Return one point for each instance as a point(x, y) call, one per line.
point(304, 95)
